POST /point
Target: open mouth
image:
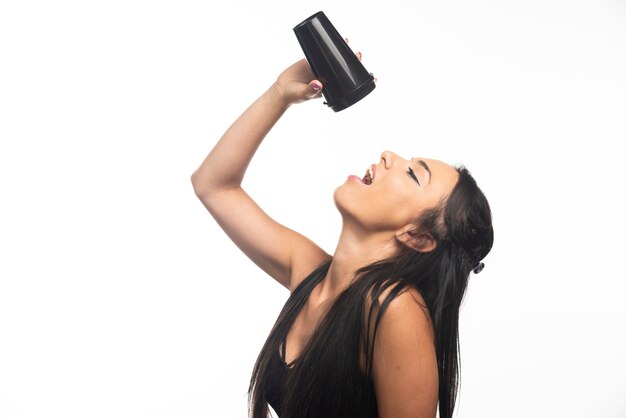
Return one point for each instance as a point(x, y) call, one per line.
point(369, 176)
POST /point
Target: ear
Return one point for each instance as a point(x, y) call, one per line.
point(412, 237)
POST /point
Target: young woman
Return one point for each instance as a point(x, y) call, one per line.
point(371, 331)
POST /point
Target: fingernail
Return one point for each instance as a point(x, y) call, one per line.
point(316, 86)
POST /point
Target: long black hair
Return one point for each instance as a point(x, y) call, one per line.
point(328, 380)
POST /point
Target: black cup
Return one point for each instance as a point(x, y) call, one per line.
point(345, 79)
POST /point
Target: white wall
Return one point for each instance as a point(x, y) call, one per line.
point(120, 296)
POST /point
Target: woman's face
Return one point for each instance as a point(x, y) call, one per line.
point(400, 190)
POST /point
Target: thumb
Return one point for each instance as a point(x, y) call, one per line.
point(313, 88)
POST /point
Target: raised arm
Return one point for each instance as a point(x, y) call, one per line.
point(281, 252)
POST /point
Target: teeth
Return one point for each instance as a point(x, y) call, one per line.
point(367, 179)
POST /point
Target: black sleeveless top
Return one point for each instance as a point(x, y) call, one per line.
point(275, 380)
point(278, 370)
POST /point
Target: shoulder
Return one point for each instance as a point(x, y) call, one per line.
point(408, 306)
point(404, 368)
point(406, 312)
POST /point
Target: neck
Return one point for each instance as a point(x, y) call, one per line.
point(355, 249)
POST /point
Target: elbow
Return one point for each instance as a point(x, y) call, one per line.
point(204, 189)
point(207, 187)
point(199, 187)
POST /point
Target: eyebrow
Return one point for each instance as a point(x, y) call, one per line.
point(423, 164)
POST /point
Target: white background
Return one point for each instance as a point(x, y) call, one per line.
point(121, 297)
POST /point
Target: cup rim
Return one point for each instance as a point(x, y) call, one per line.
point(354, 96)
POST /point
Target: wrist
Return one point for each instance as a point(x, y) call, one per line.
point(277, 94)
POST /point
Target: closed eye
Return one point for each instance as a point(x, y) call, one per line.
point(412, 174)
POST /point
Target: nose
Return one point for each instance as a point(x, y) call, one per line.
point(388, 158)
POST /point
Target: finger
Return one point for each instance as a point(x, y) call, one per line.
point(359, 55)
point(345, 39)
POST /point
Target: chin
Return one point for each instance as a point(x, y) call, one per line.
point(342, 199)
point(347, 202)
point(338, 197)
point(358, 209)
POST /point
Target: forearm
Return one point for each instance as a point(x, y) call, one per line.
point(227, 162)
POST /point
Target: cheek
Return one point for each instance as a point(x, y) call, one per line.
point(398, 211)
point(401, 202)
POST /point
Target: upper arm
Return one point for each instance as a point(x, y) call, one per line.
point(284, 254)
point(404, 366)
